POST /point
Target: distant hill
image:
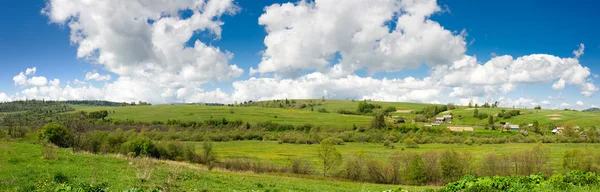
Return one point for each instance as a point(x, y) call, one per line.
point(592, 110)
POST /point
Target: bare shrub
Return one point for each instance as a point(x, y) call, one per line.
point(354, 166)
point(50, 151)
point(300, 166)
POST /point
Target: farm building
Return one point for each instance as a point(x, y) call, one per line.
point(559, 129)
point(511, 127)
point(440, 119)
point(447, 117)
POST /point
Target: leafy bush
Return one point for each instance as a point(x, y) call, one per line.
point(55, 134)
point(141, 146)
point(410, 143)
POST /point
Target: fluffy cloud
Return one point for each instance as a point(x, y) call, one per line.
point(545, 102)
point(316, 85)
point(580, 103)
point(503, 73)
point(4, 97)
point(96, 76)
point(30, 71)
point(145, 42)
point(22, 80)
point(307, 35)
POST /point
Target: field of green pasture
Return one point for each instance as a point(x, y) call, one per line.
point(247, 114)
point(22, 168)
point(281, 153)
point(546, 118)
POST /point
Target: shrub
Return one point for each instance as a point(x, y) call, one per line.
point(416, 171)
point(410, 143)
point(323, 110)
point(55, 134)
point(209, 157)
point(300, 166)
point(354, 167)
point(140, 146)
point(468, 142)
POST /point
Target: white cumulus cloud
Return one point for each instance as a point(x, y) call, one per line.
point(307, 35)
point(580, 103)
point(97, 77)
point(22, 79)
point(144, 42)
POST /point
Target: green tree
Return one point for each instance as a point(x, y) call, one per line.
point(452, 166)
point(378, 121)
point(491, 121)
point(55, 134)
point(569, 129)
point(329, 155)
point(476, 113)
point(416, 171)
point(536, 127)
point(209, 157)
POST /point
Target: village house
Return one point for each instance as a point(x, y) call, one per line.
point(559, 129)
point(440, 119)
point(509, 127)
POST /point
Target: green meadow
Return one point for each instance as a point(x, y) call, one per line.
point(281, 153)
point(462, 115)
point(22, 168)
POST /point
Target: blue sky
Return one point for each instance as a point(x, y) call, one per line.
point(30, 38)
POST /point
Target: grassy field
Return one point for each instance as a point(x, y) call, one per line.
point(281, 153)
point(248, 114)
point(547, 118)
point(22, 168)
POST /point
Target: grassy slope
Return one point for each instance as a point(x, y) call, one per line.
point(250, 114)
point(280, 153)
point(22, 165)
point(331, 120)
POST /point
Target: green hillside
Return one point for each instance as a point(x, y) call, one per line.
point(332, 119)
point(22, 168)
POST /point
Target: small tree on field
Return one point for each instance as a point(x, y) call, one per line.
point(410, 143)
point(416, 171)
point(209, 157)
point(491, 121)
point(536, 127)
point(55, 134)
point(378, 121)
point(452, 166)
point(329, 155)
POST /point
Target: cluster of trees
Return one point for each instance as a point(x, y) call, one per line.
point(508, 114)
point(479, 115)
point(39, 106)
point(281, 103)
point(485, 105)
point(432, 110)
point(366, 108)
point(103, 103)
point(98, 114)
